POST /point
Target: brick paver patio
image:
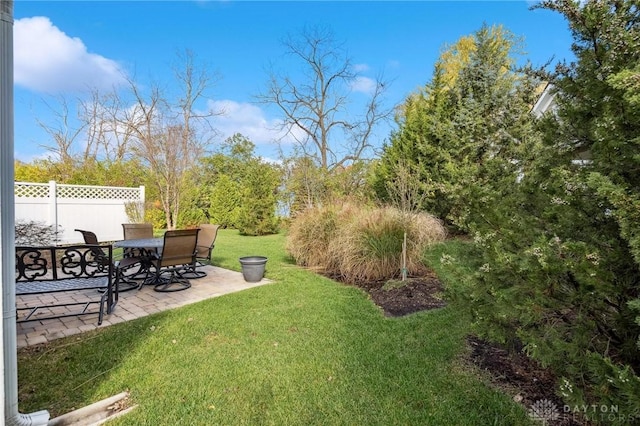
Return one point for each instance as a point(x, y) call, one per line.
point(132, 304)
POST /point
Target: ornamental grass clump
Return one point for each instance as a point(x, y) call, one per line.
point(360, 243)
point(310, 234)
point(369, 247)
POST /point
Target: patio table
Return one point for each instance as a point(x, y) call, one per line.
point(146, 246)
point(142, 243)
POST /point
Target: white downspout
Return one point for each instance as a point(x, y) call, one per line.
point(7, 230)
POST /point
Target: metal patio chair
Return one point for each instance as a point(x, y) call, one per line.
point(136, 231)
point(204, 248)
point(177, 257)
point(123, 282)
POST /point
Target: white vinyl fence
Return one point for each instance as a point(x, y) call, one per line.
point(100, 209)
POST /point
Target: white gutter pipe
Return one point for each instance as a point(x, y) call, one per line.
point(7, 230)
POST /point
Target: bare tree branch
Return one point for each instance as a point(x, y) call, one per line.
point(170, 133)
point(317, 106)
point(63, 132)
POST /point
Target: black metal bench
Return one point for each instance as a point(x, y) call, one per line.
point(42, 270)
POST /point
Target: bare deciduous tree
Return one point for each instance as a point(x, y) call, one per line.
point(106, 137)
point(171, 134)
point(407, 191)
point(164, 129)
point(317, 107)
point(64, 131)
point(93, 133)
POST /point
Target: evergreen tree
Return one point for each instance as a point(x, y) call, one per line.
point(257, 214)
point(560, 271)
point(241, 189)
point(462, 133)
point(490, 127)
point(226, 201)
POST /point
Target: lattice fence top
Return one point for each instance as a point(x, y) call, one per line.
point(41, 190)
point(98, 192)
point(36, 190)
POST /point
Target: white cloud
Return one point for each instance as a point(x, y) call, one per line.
point(247, 119)
point(48, 60)
point(361, 67)
point(363, 84)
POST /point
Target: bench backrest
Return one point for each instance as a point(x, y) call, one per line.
point(56, 263)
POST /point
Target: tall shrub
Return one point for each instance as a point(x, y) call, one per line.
point(225, 198)
point(561, 270)
point(238, 189)
point(257, 213)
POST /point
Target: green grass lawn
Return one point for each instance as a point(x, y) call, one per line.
point(303, 350)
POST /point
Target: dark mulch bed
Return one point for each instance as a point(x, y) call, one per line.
point(522, 378)
point(514, 373)
point(415, 294)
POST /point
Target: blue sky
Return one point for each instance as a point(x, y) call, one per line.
point(61, 48)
